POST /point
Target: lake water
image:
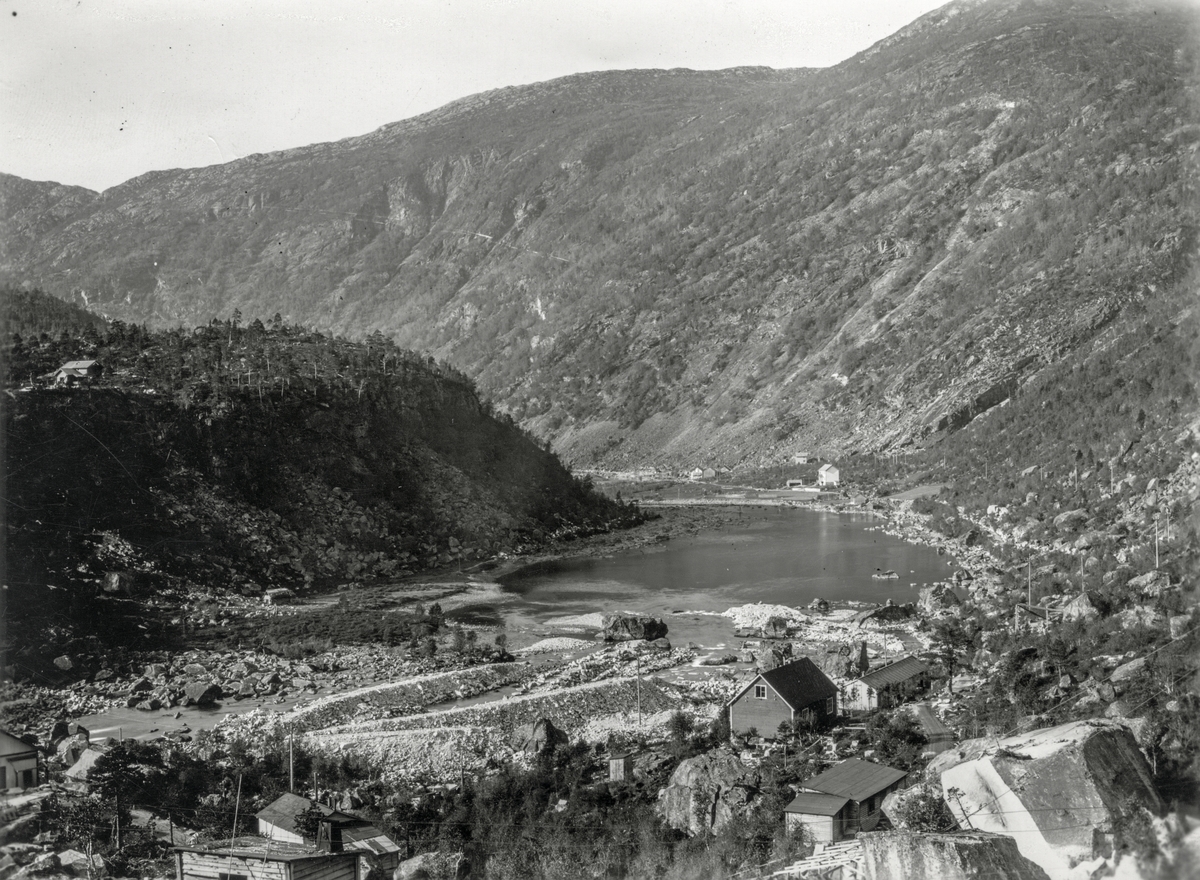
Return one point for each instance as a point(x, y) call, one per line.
point(773, 555)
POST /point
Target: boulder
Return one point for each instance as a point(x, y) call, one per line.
point(535, 739)
point(1071, 519)
point(194, 670)
point(65, 663)
point(1080, 608)
point(432, 866)
point(624, 627)
point(889, 613)
point(937, 598)
point(934, 856)
point(201, 693)
point(772, 656)
point(706, 791)
point(819, 605)
point(1061, 792)
point(1150, 584)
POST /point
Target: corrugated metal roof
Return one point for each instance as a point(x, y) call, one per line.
point(817, 804)
point(357, 832)
point(894, 673)
point(800, 683)
point(855, 779)
point(261, 848)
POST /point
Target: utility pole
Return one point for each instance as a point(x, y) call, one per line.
point(292, 761)
point(1156, 543)
point(1029, 582)
point(639, 690)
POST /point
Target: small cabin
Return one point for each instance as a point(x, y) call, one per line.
point(76, 372)
point(18, 763)
point(338, 831)
point(844, 800)
point(828, 475)
point(253, 858)
point(888, 686)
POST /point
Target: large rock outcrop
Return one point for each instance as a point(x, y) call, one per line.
point(1060, 792)
point(707, 791)
point(626, 627)
point(915, 856)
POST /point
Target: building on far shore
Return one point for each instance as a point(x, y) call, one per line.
point(828, 475)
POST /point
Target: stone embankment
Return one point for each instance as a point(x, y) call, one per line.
point(442, 744)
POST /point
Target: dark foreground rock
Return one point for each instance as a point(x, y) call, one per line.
point(707, 791)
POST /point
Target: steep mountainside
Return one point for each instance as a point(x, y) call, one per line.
point(231, 459)
point(656, 267)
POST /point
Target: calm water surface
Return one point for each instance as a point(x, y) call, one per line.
point(774, 555)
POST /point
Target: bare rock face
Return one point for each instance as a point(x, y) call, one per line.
point(937, 598)
point(962, 856)
point(707, 791)
point(1060, 792)
point(534, 739)
point(625, 627)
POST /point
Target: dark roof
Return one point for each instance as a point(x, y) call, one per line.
point(934, 728)
point(855, 779)
point(800, 683)
point(817, 804)
point(894, 673)
point(262, 848)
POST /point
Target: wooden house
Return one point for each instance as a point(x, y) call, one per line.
point(252, 858)
point(18, 763)
point(828, 475)
point(842, 800)
point(888, 686)
point(338, 830)
point(74, 372)
point(793, 692)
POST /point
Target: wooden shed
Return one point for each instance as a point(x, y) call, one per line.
point(375, 849)
point(825, 816)
point(253, 858)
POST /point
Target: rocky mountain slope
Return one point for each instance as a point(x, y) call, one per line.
point(231, 460)
point(660, 267)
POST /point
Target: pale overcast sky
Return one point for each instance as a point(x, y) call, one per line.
point(93, 92)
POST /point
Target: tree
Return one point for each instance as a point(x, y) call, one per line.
point(130, 773)
point(308, 821)
point(951, 636)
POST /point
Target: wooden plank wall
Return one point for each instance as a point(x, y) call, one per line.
point(206, 866)
point(341, 867)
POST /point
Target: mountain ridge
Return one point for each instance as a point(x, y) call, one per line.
point(660, 267)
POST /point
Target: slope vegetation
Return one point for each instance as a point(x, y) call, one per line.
point(233, 459)
point(660, 266)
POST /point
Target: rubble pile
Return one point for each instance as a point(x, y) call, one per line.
point(568, 709)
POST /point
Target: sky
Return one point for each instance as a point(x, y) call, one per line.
point(94, 92)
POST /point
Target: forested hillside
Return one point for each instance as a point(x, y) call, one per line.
point(663, 267)
point(232, 459)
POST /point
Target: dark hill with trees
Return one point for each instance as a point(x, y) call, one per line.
point(233, 459)
point(661, 267)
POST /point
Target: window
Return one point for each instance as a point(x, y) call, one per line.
point(831, 706)
point(27, 779)
point(760, 692)
point(3, 777)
